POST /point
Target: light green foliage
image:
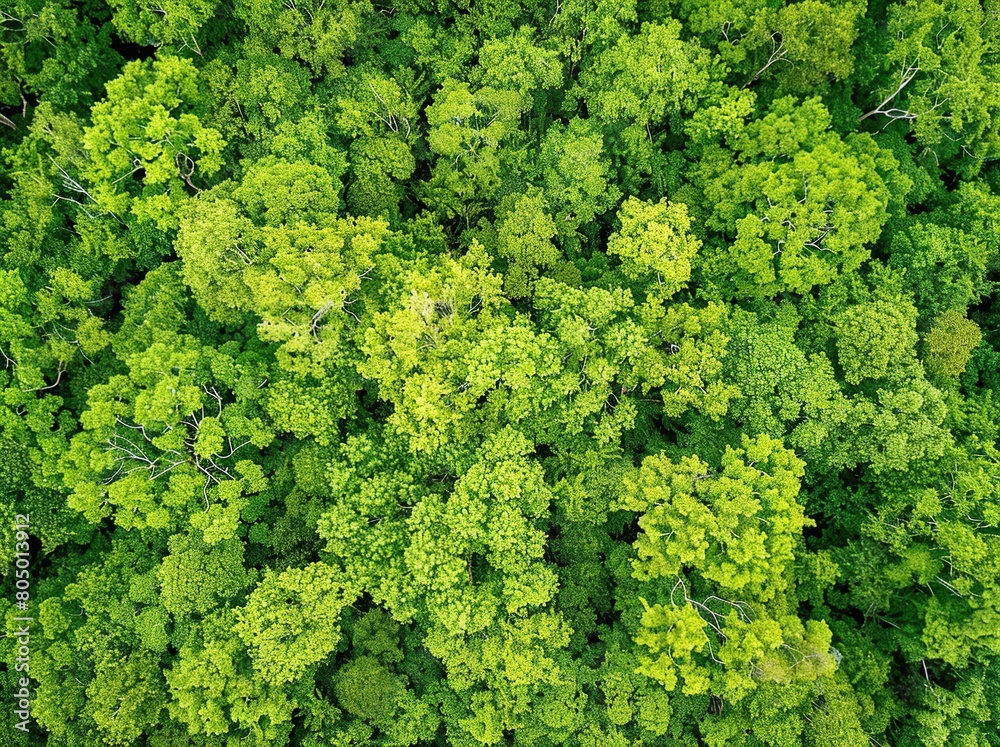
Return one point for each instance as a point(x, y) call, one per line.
point(687, 363)
point(817, 38)
point(467, 128)
point(471, 122)
point(281, 254)
point(749, 509)
point(462, 558)
point(524, 238)
point(874, 339)
point(268, 89)
point(655, 242)
point(96, 662)
point(215, 244)
point(892, 416)
point(126, 698)
point(452, 373)
point(291, 620)
point(488, 515)
point(577, 180)
point(659, 74)
point(637, 85)
point(949, 344)
point(196, 576)
point(161, 439)
point(214, 694)
point(304, 297)
point(800, 205)
point(149, 132)
point(366, 689)
point(443, 316)
point(782, 389)
point(726, 541)
point(521, 682)
point(168, 22)
point(798, 46)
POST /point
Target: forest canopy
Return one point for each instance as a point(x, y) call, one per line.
point(500, 372)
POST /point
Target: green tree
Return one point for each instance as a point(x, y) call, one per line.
point(788, 212)
point(214, 693)
point(316, 33)
point(291, 620)
point(949, 344)
point(655, 240)
point(932, 79)
point(57, 51)
point(718, 548)
point(793, 48)
point(169, 22)
point(148, 146)
point(577, 179)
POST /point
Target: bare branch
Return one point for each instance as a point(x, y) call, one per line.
point(908, 75)
point(53, 385)
point(317, 317)
point(778, 53)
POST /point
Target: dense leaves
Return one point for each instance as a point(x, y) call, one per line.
point(485, 373)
